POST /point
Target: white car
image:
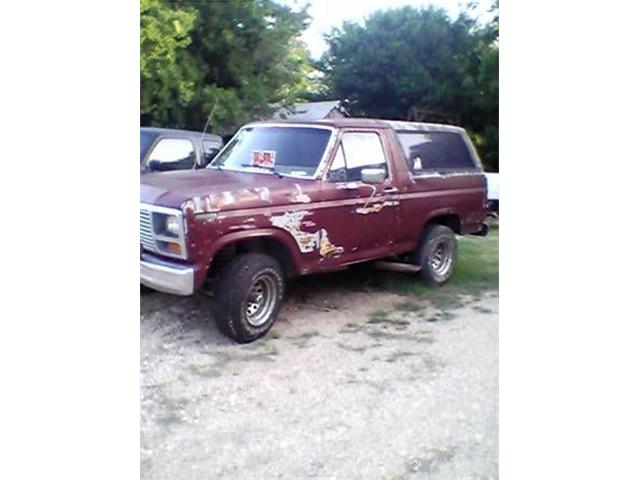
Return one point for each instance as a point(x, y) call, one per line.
point(493, 191)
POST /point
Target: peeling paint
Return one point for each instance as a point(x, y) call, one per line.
point(372, 209)
point(437, 174)
point(290, 222)
point(376, 208)
point(326, 247)
point(264, 194)
point(299, 196)
point(226, 198)
point(307, 242)
point(188, 206)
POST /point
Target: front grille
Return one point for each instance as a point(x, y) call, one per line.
point(146, 230)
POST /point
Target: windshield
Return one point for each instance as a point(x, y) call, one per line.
point(146, 139)
point(293, 151)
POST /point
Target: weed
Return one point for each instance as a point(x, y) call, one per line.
point(408, 306)
point(476, 272)
point(378, 316)
point(302, 340)
point(398, 355)
point(360, 349)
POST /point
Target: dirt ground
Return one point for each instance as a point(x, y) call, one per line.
point(338, 389)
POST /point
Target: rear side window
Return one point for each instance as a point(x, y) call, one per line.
point(435, 151)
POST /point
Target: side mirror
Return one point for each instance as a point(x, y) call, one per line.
point(207, 157)
point(154, 166)
point(373, 175)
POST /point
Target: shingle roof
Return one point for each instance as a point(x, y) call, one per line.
point(307, 111)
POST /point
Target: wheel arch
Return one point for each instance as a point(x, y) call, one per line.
point(448, 218)
point(272, 242)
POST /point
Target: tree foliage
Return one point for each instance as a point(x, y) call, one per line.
point(240, 58)
point(406, 59)
point(164, 32)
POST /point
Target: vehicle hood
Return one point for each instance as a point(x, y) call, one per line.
point(212, 190)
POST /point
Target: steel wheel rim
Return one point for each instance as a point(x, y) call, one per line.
point(442, 258)
point(261, 300)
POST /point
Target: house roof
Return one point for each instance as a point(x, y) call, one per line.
point(307, 111)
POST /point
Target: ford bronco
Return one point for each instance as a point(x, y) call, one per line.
point(294, 198)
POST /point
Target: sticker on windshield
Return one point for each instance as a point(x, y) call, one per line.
point(263, 158)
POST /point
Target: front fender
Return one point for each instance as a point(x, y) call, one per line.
point(272, 233)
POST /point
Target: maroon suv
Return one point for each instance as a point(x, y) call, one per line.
point(293, 198)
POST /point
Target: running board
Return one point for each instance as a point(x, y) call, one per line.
point(397, 266)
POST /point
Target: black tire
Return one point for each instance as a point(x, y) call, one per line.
point(437, 254)
point(237, 292)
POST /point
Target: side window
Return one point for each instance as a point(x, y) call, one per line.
point(357, 150)
point(338, 170)
point(172, 154)
point(435, 151)
point(211, 149)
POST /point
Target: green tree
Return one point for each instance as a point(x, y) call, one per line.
point(164, 31)
point(406, 59)
point(243, 58)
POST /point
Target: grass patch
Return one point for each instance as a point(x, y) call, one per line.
point(350, 348)
point(382, 318)
point(302, 340)
point(378, 316)
point(398, 355)
point(442, 315)
point(475, 272)
point(408, 306)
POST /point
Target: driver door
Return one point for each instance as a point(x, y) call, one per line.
point(364, 213)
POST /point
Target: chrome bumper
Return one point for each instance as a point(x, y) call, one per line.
point(166, 277)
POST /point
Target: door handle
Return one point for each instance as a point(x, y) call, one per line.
point(390, 190)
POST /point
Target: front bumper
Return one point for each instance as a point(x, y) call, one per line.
point(166, 276)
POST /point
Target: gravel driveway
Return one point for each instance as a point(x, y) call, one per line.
point(332, 392)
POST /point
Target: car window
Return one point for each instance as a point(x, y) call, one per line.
point(357, 150)
point(286, 150)
point(211, 149)
point(435, 151)
point(172, 154)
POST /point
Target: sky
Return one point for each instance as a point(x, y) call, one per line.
point(332, 13)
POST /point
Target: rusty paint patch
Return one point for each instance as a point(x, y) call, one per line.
point(299, 196)
point(290, 222)
point(376, 208)
point(326, 247)
point(307, 241)
point(264, 194)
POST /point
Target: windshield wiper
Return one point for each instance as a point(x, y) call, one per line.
point(271, 169)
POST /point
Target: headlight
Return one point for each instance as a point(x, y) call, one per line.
point(166, 225)
point(173, 225)
point(163, 231)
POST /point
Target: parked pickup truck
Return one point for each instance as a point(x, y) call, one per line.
point(294, 198)
point(164, 149)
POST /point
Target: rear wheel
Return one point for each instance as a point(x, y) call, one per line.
point(437, 254)
point(249, 295)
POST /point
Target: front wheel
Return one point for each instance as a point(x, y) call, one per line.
point(437, 254)
point(249, 295)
